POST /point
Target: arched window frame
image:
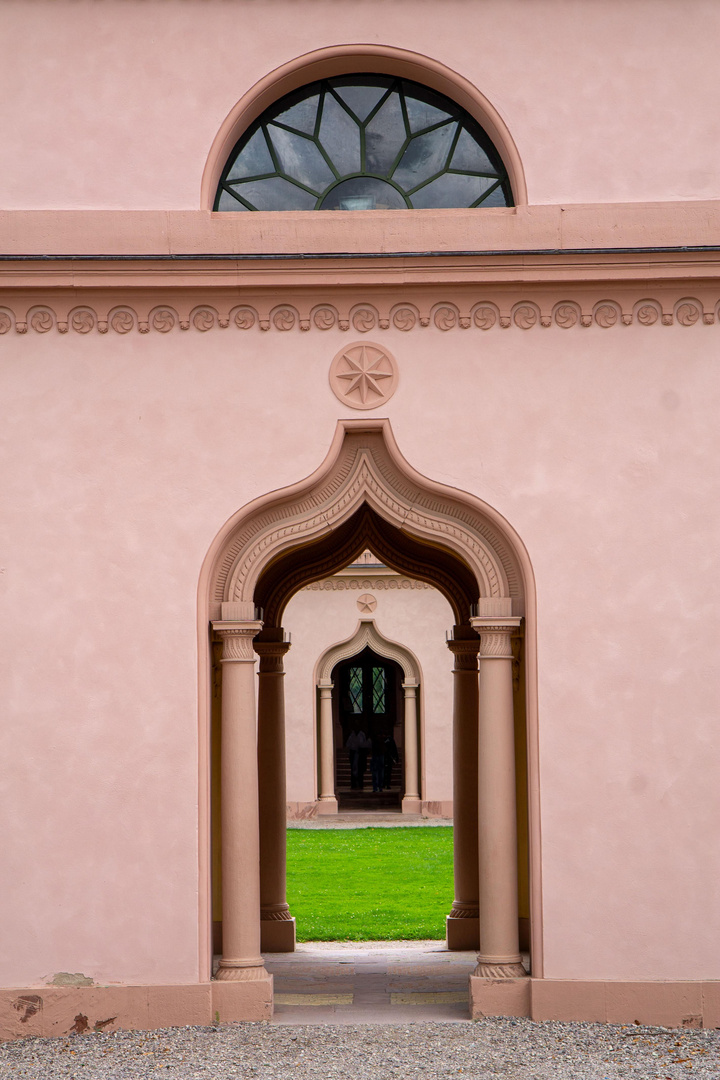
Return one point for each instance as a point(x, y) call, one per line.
point(298, 161)
point(348, 59)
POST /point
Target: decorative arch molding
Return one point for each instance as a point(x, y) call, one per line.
point(350, 59)
point(365, 474)
point(367, 634)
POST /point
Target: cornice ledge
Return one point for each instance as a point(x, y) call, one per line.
point(201, 234)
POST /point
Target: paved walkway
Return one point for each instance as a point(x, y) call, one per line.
point(370, 982)
point(369, 820)
point(380, 982)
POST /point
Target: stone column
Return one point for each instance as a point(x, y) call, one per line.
point(461, 925)
point(241, 960)
point(277, 926)
point(499, 955)
point(327, 803)
point(411, 803)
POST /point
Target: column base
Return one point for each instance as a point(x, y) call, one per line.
point(277, 936)
point(327, 804)
point(233, 1001)
point(499, 997)
point(462, 934)
point(412, 804)
point(241, 971)
point(487, 969)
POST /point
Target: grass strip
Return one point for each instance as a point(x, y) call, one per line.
point(370, 884)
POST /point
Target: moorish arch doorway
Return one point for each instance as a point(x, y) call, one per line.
point(370, 684)
point(366, 496)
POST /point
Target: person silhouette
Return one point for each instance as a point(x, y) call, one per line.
point(390, 757)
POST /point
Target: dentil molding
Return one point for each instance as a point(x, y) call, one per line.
point(478, 313)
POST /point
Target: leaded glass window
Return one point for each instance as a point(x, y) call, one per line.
point(363, 142)
point(379, 684)
point(355, 689)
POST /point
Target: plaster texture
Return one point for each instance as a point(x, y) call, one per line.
point(139, 449)
point(103, 136)
point(139, 417)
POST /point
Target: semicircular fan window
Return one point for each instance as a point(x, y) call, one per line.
point(363, 142)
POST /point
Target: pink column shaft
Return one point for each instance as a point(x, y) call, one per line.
point(462, 923)
point(497, 825)
point(327, 802)
point(241, 960)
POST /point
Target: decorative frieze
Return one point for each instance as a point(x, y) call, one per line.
point(499, 312)
point(337, 584)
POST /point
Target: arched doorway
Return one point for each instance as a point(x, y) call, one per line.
point(365, 679)
point(370, 724)
point(365, 495)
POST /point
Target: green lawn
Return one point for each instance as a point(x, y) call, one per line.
point(370, 884)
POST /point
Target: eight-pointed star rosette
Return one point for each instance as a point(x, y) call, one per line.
point(363, 376)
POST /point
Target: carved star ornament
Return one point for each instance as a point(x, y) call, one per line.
point(363, 376)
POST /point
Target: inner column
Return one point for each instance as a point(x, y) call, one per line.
point(461, 925)
point(277, 926)
point(327, 801)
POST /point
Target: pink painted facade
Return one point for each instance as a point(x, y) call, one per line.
point(572, 389)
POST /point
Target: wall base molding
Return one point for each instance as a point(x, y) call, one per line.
point(665, 1004)
point(47, 1011)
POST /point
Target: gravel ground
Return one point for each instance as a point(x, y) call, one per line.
point(517, 1049)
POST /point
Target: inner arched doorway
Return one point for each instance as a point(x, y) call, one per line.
point(372, 685)
point(366, 496)
point(368, 731)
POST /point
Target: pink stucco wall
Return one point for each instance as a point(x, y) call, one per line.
point(117, 105)
point(123, 456)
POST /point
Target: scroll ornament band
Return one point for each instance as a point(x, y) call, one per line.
point(340, 584)
point(472, 312)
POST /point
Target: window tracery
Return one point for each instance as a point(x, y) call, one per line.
point(363, 142)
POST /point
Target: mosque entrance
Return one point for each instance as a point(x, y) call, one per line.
point(368, 733)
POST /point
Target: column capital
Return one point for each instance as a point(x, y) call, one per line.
point(409, 684)
point(237, 639)
point(271, 655)
point(325, 684)
point(465, 651)
point(495, 634)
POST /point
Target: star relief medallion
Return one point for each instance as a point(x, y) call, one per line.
point(363, 376)
point(366, 603)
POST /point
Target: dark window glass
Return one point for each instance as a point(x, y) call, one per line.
point(355, 689)
point(363, 142)
point(379, 681)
